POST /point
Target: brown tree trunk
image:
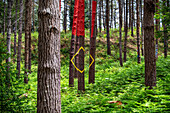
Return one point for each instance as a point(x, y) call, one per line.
point(130, 17)
point(65, 15)
point(149, 45)
point(15, 32)
point(48, 92)
point(137, 31)
point(28, 4)
point(120, 33)
point(19, 37)
point(8, 60)
point(93, 44)
point(100, 6)
point(81, 34)
point(4, 19)
point(126, 31)
point(132, 21)
point(107, 25)
point(33, 19)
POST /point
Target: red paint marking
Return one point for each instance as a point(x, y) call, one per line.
point(75, 16)
point(94, 5)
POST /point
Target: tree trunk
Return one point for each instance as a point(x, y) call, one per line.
point(48, 92)
point(165, 32)
point(90, 13)
point(149, 45)
point(8, 60)
point(72, 46)
point(28, 4)
point(71, 13)
point(115, 13)
point(19, 37)
point(100, 5)
point(111, 22)
point(65, 15)
point(33, 19)
point(93, 45)
point(142, 38)
point(107, 25)
point(137, 31)
point(15, 32)
point(157, 27)
point(130, 14)
point(81, 34)
point(132, 21)
point(120, 33)
point(103, 15)
point(126, 31)
point(4, 19)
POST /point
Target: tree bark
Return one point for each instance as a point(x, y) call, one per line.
point(65, 15)
point(71, 13)
point(107, 25)
point(126, 31)
point(149, 45)
point(93, 44)
point(8, 60)
point(132, 21)
point(137, 31)
point(28, 4)
point(81, 34)
point(90, 13)
point(120, 33)
point(19, 37)
point(100, 27)
point(130, 14)
point(33, 18)
point(15, 32)
point(4, 19)
point(72, 46)
point(48, 92)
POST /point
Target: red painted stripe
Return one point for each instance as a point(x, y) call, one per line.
point(80, 23)
point(75, 16)
point(94, 5)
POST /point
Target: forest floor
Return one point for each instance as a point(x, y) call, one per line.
point(116, 89)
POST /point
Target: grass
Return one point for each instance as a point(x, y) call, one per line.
point(123, 86)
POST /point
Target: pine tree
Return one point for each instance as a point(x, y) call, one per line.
point(48, 92)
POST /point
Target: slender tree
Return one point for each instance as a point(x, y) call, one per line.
point(71, 13)
point(132, 21)
point(111, 22)
point(81, 34)
point(137, 31)
point(8, 60)
point(157, 27)
point(72, 46)
point(15, 32)
point(103, 15)
point(100, 6)
point(19, 37)
point(107, 25)
point(141, 18)
point(65, 15)
point(115, 13)
point(90, 13)
point(149, 45)
point(4, 18)
point(126, 31)
point(33, 17)
point(130, 17)
point(28, 4)
point(48, 92)
point(93, 44)
point(120, 33)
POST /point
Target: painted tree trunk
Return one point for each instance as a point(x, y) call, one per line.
point(90, 12)
point(120, 33)
point(74, 31)
point(92, 45)
point(19, 38)
point(15, 32)
point(65, 16)
point(48, 92)
point(126, 31)
point(4, 19)
point(137, 31)
point(28, 4)
point(149, 45)
point(81, 34)
point(107, 25)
